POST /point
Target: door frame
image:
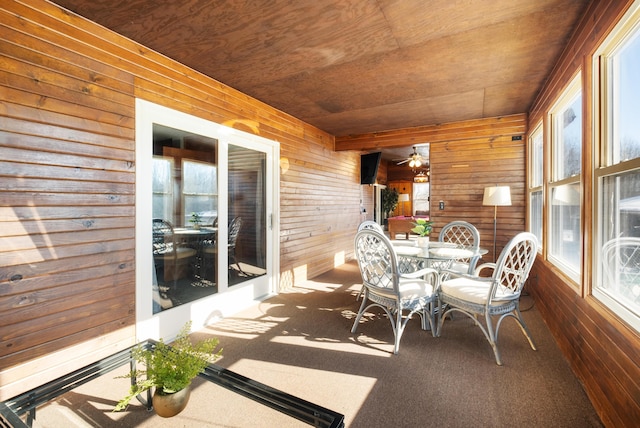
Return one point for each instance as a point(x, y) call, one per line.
point(167, 323)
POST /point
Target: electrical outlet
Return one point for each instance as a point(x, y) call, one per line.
point(441, 205)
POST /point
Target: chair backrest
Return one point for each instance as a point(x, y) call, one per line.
point(234, 231)
point(377, 261)
point(463, 234)
point(369, 224)
point(514, 264)
point(621, 265)
point(460, 233)
point(162, 236)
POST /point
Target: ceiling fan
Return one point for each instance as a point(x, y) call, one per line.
point(415, 160)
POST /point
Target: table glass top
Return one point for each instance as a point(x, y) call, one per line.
point(439, 250)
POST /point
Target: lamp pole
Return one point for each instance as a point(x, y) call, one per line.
point(496, 195)
point(495, 230)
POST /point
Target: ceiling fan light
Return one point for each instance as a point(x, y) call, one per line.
point(418, 163)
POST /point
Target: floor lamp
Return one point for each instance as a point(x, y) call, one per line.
point(496, 196)
point(402, 198)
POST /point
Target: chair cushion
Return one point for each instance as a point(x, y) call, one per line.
point(182, 253)
point(459, 267)
point(473, 291)
point(411, 288)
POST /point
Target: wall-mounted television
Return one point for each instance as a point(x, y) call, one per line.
point(369, 164)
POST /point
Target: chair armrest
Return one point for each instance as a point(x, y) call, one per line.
point(420, 273)
point(424, 273)
point(479, 269)
point(446, 274)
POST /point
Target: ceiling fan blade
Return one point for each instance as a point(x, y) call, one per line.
point(404, 161)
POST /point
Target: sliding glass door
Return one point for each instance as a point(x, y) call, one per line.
point(204, 216)
point(247, 215)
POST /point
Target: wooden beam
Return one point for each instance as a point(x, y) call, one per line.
point(512, 125)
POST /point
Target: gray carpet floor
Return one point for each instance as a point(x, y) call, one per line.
point(300, 342)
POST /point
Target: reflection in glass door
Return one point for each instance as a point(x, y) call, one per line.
point(246, 211)
point(185, 215)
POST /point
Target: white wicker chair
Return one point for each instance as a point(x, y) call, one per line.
point(370, 224)
point(387, 288)
point(497, 295)
point(463, 234)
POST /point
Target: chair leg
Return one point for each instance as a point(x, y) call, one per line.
point(491, 337)
point(523, 327)
point(428, 315)
point(232, 256)
point(360, 312)
point(441, 315)
point(398, 331)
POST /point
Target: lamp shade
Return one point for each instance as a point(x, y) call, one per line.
point(403, 197)
point(497, 196)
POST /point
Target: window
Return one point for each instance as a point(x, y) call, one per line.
point(162, 188)
point(564, 189)
point(420, 197)
point(200, 192)
point(536, 170)
point(617, 172)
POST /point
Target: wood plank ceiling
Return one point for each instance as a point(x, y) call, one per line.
point(359, 66)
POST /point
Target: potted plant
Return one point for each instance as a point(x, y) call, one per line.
point(196, 220)
point(423, 228)
point(169, 368)
point(389, 200)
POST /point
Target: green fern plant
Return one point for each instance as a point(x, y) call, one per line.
point(169, 367)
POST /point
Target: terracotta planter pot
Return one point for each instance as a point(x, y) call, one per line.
point(167, 405)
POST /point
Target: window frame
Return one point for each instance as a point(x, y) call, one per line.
point(558, 182)
point(536, 187)
point(606, 162)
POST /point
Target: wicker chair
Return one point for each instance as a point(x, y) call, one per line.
point(497, 295)
point(390, 290)
point(211, 251)
point(405, 264)
point(168, 254)
point(621, 269)
point(463, 234)
point(370, 224)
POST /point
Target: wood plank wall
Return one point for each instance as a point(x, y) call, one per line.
point(465, 157)
point(459, 173)
point(67, 200)
point(603, 352)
